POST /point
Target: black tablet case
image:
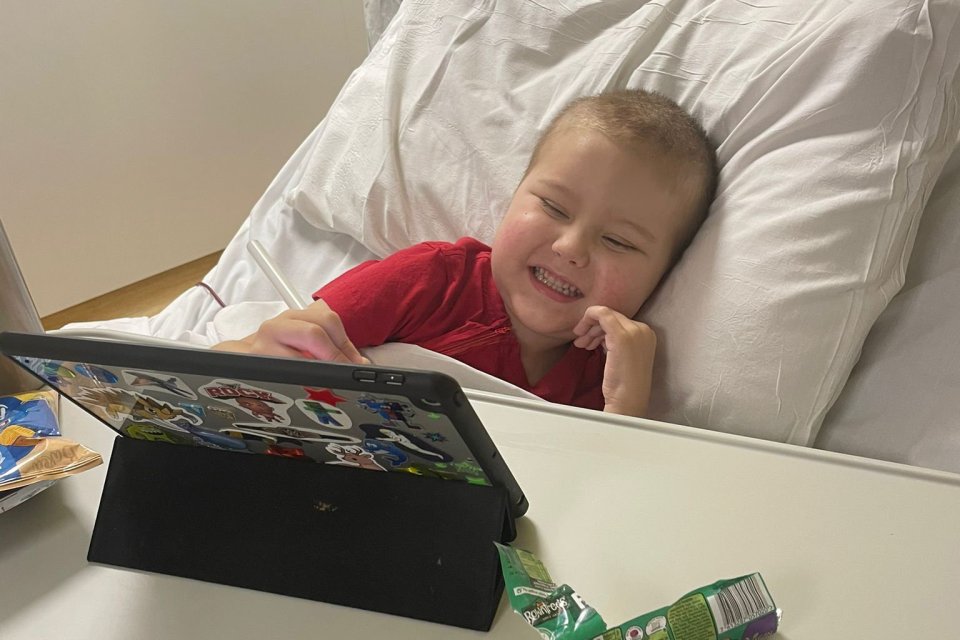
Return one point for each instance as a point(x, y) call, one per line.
point(413, 546)
point(427, 391)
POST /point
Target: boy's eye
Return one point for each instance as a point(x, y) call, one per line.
point(619, 245)
point(552, 210)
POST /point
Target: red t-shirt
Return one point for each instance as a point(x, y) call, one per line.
point(441, 296)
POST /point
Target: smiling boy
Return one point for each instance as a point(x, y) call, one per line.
point(614, 191)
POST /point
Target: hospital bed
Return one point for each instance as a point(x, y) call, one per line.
point(817, 306)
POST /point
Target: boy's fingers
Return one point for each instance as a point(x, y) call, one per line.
point(322, 346)
point(585, 341)
point(594, 327)
point(351, 353)
point(347, 354)
point(587, 324)
point(592, 344)
point(314, 332)
point(597, 321)
point(330, 322)
point(286, 336)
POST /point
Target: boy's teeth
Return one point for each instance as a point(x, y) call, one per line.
point(560, 287)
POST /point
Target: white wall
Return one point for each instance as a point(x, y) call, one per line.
point(135, 135)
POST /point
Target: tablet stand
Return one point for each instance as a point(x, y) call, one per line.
point(396, 543)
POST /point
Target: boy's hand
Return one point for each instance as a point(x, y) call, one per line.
point(630, 347)
point(315, 332)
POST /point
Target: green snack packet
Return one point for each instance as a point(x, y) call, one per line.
point(736, 609)
point(555, 612)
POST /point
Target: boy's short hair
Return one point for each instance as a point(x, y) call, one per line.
point(635, 118)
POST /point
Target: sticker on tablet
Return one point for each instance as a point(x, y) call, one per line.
point(324, 395)
point(148, 408)
point(390, 452)
point(285, 450)
point(194, 408)
point(98, 374)
point(146, 381)
point(436, 470)
point(107, 403)
point(53, 371)
point(406, 441)
point(324, 414)
point(260, 404)
point(222, 413)
point(155, 433)
point(353, 456)
point(391, 411)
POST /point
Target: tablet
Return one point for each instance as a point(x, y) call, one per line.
point(368, 417)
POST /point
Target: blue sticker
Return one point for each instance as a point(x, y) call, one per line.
point(94, 372)
point(406, 441)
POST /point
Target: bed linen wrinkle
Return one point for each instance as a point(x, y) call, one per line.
point(391, 169)
point(914, 113)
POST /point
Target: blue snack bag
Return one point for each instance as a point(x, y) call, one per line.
point(32, 414)
point(32, 453)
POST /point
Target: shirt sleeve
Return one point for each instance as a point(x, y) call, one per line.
point(386, 300)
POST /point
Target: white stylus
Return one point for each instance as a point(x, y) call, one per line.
point(279, 282)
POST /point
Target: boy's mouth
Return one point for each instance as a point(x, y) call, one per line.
point(564, 288)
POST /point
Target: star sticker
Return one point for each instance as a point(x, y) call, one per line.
point(323, 395)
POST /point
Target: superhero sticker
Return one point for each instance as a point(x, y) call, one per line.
point(320, 405)
point(397, 414)
point(377, 432)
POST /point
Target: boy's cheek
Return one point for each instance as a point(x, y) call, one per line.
point(614, 290)
point(512, 238)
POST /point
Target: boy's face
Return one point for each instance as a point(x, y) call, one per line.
point(591, 224)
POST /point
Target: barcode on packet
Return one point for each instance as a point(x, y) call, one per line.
point(740, 602)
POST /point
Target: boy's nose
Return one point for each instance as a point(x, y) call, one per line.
point(573, 249)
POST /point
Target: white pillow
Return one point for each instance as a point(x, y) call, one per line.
point(832, 127)
point(902, 402)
